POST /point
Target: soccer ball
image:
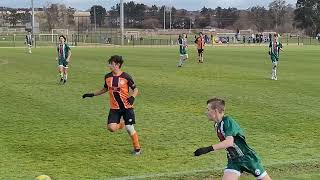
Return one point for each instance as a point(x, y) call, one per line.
point(43, 177)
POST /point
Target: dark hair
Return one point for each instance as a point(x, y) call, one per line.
point(200, 33)
point(217, 103)
point(63, 37)
point(116, 59)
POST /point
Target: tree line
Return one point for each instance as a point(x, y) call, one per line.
point(278, 16)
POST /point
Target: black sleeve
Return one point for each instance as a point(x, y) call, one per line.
point(105, 83)
point(131, 83)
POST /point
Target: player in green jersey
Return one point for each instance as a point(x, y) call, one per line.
point(240, 156)
point(182, 41)
point(274, 51)
point(29, 40)
point(63, 58)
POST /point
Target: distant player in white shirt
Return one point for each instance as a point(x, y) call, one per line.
point(29, 41)
point(183, 44)
point(274, 51)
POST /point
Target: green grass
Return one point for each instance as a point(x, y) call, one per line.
point(48, 129)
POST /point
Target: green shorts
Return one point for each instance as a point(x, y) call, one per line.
point(274, 58)
point(183, 51)
point(63, 62)
point(249, 163)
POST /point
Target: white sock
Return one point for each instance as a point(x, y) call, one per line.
point(65, 77)
point(272, 74)
point(180, 62)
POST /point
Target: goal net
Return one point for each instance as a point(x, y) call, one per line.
point(132, 35)
point(60, 31)
point(53, 37)
point(245, 32)
point(48, 37)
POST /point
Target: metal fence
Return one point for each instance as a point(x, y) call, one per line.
point(106, 39)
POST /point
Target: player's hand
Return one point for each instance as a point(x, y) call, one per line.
point(130, 100)
point(56, 58)
point(203, 150)
point(87, 95)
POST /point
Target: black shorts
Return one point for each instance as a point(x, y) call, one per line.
point(200, 51)
point(116, 114)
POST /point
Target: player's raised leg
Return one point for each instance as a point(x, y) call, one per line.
point(230, 174)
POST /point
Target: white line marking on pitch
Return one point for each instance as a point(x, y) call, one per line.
point(3, 62)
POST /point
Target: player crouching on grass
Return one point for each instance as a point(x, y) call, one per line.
point(240, 156)
point(117, 83)
point(274, 52)
point(63, 59)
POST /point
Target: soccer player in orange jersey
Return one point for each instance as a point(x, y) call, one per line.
point(200, 46)
point(117, 83)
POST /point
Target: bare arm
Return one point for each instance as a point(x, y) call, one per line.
point(100, 91)
point(135, 92)
point(57, 58)
point(69, 55)
point(228, 142)
point(96, 93)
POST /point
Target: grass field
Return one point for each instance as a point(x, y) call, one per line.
point(47, 128)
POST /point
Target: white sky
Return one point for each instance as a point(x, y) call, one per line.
point(179, 4)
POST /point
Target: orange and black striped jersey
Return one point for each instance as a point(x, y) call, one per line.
point(200, 43)
point(118, 88)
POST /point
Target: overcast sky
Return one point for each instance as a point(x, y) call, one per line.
point(179, 4)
